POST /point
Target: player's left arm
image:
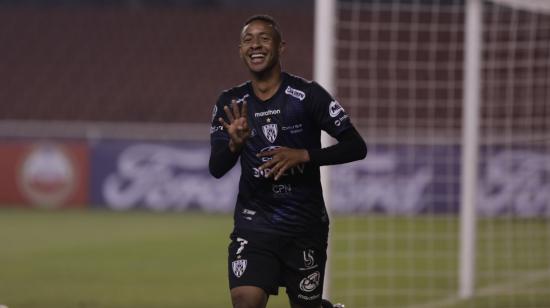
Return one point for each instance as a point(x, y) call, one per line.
point(282, 159)
point(350, 147)
point(331, 117)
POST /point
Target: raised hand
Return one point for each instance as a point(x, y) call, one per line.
point(237, 128)
point(282, 159)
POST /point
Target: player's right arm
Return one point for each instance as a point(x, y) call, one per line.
point(237, 125)
point(228, 134)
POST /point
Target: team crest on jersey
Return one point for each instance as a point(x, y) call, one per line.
point(239, 266)
point(270, 132)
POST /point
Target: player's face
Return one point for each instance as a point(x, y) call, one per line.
point(260, 46)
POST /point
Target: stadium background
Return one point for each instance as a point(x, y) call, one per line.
point(107, 104)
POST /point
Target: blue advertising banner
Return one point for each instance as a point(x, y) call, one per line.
point(159, 176)
point(407, 179)
point(401, 180)
point(416, 179)
point(514, 181)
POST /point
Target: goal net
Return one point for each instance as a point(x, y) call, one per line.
point(400, 73)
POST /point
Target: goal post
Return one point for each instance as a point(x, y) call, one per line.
point(470, 146)
point(323, 73)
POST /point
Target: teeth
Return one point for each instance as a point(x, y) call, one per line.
point(257, 56)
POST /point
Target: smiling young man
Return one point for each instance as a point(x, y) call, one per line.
point(273, 124)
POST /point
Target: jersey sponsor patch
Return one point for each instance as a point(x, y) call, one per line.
point(270, 132)
point(214, 129)
point(334, 109)
point(295, 93)
point(267, 113)
point(214, 112)
point(311, 282)
point(239, 266)
point(309, 259)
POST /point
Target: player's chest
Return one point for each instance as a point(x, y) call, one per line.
point(281, 119)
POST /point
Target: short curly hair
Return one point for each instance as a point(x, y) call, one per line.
point(267, 19)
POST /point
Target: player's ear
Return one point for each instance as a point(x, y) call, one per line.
point(239, 51)
point(282, 47)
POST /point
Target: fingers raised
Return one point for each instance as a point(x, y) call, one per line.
point(236, 109)
point(223, 123)
point(229, 114)
point(244, 109)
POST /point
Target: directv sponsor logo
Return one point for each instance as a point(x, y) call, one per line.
point(295, 93)
point(264, 173)
point(267, 113)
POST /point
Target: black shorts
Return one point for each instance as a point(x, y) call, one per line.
point(269, 260)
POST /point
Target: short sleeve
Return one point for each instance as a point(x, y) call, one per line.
point(327, 112)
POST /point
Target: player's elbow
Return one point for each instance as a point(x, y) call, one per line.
point(215, 172)
point(217, 175)
point(362, 150)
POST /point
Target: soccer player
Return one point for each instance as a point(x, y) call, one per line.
point(273, 124)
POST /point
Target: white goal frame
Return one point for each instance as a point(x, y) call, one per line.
point(324, 54)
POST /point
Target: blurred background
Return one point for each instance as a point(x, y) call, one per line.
point(105, 110)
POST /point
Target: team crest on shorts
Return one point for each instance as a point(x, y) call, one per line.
point(239, 266)
point(270, 132)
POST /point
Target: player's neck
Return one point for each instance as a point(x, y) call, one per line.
point(265, 85)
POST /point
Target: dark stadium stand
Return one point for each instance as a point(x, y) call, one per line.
point(119, 64)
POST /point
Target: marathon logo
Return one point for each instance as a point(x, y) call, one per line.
point(295, 93)
point(267, 113)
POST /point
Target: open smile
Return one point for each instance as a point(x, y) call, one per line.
point(257, 58)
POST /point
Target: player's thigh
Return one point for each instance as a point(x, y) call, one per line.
point(304, 272)
point(252, 262)
point(248, 297)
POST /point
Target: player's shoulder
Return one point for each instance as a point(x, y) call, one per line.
point(238, 92)
point(306, 90)
point(298, 82)
point(301, 87)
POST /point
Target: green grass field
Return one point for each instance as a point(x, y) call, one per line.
point(88, 259)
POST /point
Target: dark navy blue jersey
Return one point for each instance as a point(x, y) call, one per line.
point(294, 118)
